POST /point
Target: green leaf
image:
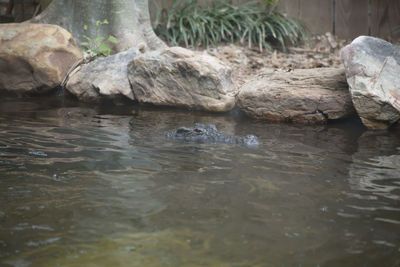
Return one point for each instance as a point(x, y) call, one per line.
point(105, 49)
point(99, 39)
point(96, 52)
point(87, 38)
point(112, 39)
point(86, 44)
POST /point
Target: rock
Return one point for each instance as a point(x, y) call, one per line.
point(309, 96)
point(182, 78)
point(373, 74)
point(201, 133)
point(103, 78)
point(35, 58)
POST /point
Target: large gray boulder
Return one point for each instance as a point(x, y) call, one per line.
point(35, 58)
point(103, 78)
point(308, 96)
point(179, 77)
point(373, 74)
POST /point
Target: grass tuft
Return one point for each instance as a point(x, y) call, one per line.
point(191, 24)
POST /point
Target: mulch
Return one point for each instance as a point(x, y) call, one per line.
point(317, 52)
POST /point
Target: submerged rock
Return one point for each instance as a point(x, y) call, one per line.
point(35, 58)
point(201, 133)
point(309, 96)
point(373, 74)
point(179, 77)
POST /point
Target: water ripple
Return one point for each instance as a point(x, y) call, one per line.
point(106, 182)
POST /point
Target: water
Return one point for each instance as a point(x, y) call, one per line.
point(85, 186)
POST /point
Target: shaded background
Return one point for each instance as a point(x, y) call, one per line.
point(344, 18)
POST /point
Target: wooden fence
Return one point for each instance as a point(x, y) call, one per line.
point(345, 18)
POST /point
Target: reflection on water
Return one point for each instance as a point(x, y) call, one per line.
point(84, 186)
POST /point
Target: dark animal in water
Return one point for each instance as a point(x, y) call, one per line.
point(204, 134)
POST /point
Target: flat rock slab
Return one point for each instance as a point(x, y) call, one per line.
point(103, 78)
point(309, 96)
point(35, 58)
point(373, 74)
point(179, 77)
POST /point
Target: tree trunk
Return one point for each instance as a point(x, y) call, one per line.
point(129, 21)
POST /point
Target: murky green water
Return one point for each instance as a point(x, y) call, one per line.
point(103, 187)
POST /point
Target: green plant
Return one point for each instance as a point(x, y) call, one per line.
point(191, 24)
point(98, 46)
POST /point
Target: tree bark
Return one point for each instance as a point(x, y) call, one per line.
point(129, 21)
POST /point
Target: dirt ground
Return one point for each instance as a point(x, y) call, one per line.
point(316, 52)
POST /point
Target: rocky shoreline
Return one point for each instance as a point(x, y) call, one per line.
point(309, 85)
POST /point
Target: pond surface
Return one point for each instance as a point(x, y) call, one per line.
point(82, 186)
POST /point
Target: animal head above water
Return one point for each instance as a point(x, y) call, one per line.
point(201, 133)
